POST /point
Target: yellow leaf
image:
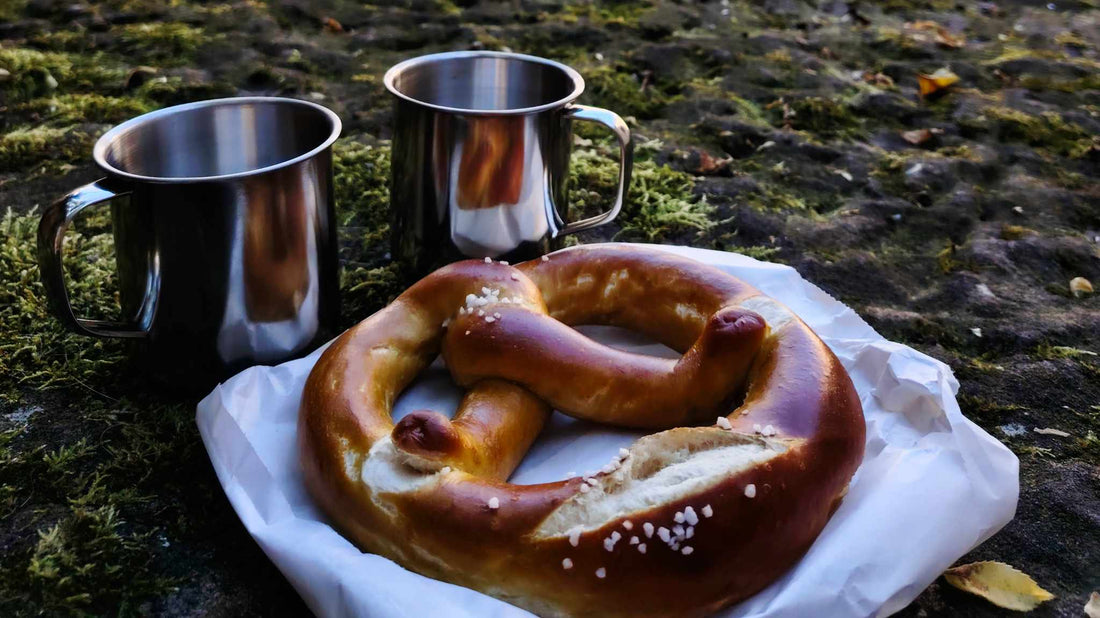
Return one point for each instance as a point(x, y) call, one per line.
point(998, 582)
point(1080, 286)
point(931, 84)
point(1092, 608)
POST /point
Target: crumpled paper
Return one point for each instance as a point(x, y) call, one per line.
point(932, 484)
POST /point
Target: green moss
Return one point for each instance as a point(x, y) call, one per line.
point(169, 43)
point(89, 562)
point(361, 177)
point(24, 148)
point(35, 350)
point(1052, 352)
point(622, 91)
point(816, 115)
point(68, 109)
point(606, 13)
point(758, 252)
point(661, 204)
point(1016, 232)
point(1047, 130)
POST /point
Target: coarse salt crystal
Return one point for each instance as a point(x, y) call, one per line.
point(615, 536)
point(503, 262)
point(678, 517)
point(690, 516)
point(490, 319)
point(635, 540)
point(545, 258)
point(662, 533)
point(769, 430)
point(724, 423)
point(467, 332)
point(629, 525)
point(756, 428)
point(584, 489)
point(707, 511)
point(445, 470)
point(641, 548)
point(591, 481)
point(488, 260)
point(750, 491)
point(623, 453)
point(689, 532)
point(608, 544)
point(575, 536)
point(567, 564)
point(496, 315)
point(687, 550)
point(494, 503)
point(515, 277)
point(678, 530)
point(648, 529)
point(600, 572)
point(480, 313)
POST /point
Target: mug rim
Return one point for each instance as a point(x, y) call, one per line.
point(99, 151)
point(570, 72)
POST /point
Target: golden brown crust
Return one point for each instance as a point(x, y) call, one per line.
point(754, 501)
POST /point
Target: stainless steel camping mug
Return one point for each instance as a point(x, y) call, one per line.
point(481, 148)
point(224, 230)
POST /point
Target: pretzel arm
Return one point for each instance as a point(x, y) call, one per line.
point(592, 381)
point(495, 424)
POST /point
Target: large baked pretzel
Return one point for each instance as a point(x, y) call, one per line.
point(684, 522)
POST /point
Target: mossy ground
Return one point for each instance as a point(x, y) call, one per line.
point(780, 129)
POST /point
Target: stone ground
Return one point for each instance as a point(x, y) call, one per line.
point(788, 130)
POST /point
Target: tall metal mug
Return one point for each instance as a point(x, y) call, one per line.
point(481, 148)
point(224, 230)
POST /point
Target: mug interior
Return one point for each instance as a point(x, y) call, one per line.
point(484, 81)
point(217, 138)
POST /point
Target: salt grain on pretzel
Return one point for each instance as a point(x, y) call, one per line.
point(379, 483)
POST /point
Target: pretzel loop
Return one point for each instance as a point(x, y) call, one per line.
point(717, 511)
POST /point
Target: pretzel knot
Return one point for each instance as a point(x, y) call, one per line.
point(689, 519)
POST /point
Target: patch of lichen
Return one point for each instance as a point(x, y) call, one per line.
point(1047, 130)
point(617, 13)
point(35, 73)
point(162, 43)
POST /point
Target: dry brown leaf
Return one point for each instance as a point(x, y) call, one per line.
point(1092, 608)
point(920, 136)
point(332, 25)
point(999, 583)
point(941, 35)
point(1080, 286)
point(703, 163)
point(931, 84)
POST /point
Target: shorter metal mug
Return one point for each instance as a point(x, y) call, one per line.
point(481, 148)
point(224, 230)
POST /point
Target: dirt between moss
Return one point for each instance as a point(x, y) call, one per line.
point(784, 129)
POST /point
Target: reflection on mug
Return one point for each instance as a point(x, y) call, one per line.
point(276, 272)
point(491, 170)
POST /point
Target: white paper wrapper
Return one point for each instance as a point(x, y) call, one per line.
point(932, 484)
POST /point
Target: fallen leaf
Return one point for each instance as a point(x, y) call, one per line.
point(934, 83)
point(1092, 608)
point(977, 332)
point(332, 25)
point(941, 35)
point(845, 174)
point(703, 163)
point(1051, 432)
point(877, 79)
point(765, 145)
point(1080, 287)
point(920, 136)
point(999, 583)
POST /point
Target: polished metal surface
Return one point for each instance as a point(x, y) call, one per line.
point(224, 230)
point(481, 150)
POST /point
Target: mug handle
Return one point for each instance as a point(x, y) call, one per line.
point(51, 234)
point(612, 121)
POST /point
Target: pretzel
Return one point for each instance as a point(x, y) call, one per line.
point(687, 520)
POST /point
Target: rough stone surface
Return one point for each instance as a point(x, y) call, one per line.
point(790, 130)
